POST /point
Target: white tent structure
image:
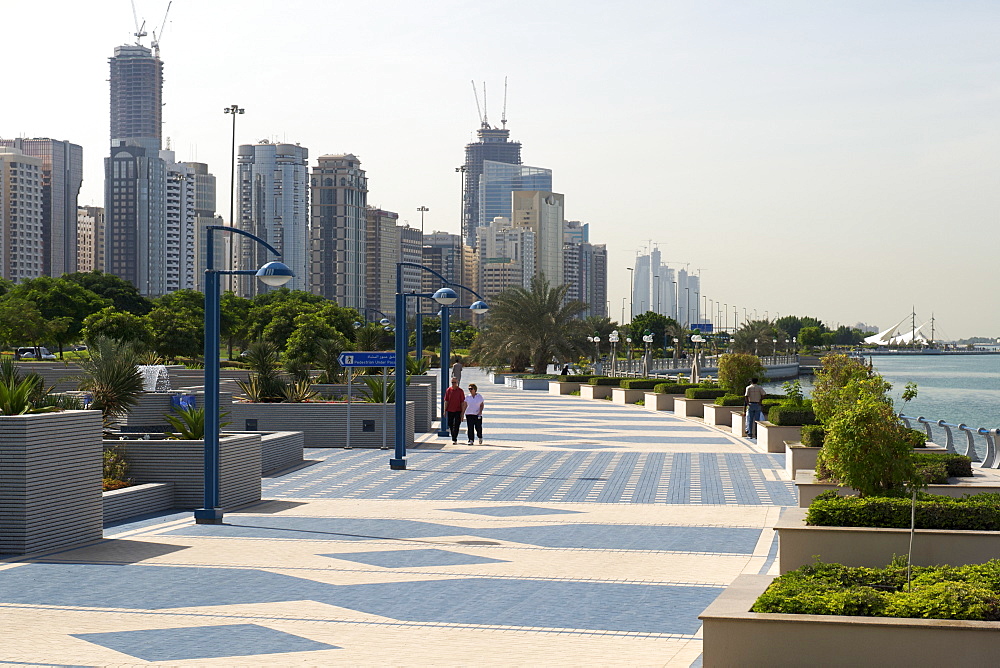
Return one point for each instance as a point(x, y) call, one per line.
point(897, 335)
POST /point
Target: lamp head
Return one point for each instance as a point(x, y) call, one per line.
point(357, 325)
point(479, 307)
point(445, 296)
point(275, 274)
point(384, 321)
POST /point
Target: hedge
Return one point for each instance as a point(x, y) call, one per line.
point(574, 379)
point(936, 592)
point(957, 466)
point(977, 512)
point(604, 380)
point(673, 388)
point(640, 383)
point(539, 376)
point(730, 400)
point(704, 393)
point(813, 435)
point(791, 416)
point(916, 438)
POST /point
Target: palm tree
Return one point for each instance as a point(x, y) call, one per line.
point(535, 323)
point(111, 377)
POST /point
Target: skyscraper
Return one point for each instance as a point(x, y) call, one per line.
point(337, 229)
point(507, 256)
point(273, 205)
point(499, 180)
point(62, 174)
point(90, 238)
point(204, 215)
point(543, 212)
point(21, 255)
point(494, 144)
point(136, 96)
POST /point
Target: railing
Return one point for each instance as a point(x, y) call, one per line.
point(990, 437)
point(664, 366)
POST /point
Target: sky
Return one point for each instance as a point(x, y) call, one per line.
point(836, 159)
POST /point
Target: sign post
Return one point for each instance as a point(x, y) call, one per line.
point(369, 359)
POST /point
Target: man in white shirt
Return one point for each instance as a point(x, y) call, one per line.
point(753, 398)
point(473, 409)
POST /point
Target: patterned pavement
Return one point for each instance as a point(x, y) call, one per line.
point(581, 532)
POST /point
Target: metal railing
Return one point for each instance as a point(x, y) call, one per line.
point(664, 366)
point(987, 454)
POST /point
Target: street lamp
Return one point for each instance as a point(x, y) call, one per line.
point(755, 342)
point(647, 338)
point(422, 210)
point(613, 340)
point(273, 274)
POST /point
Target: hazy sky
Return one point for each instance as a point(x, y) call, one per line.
point(825, 158)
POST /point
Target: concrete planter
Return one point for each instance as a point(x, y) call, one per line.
point(183, 463)
point(622, 396)
point(50, 481)
point(153, 497)
point(421, 391)
point(734, 637)
point(595, 391)
point(557, 388)
point(659, 402)
point(324, 425)
point(982, 481)
point(498, 378)
point(773, 437)
point(738, 423)
point(530, 383)
point(800, 457)
point(875, 548)
point(684, 407)
point(718, 415)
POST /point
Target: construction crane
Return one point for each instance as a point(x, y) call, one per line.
point(503, 115)
point(157, 36)
point(479, 109)
point(139, 32)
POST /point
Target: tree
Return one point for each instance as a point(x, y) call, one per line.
point(63, 303)
point(121, 326)
point(123, 295)
point(792, 324)
point(314, 343)
point(537, 321)
point(757, 337)
point(736, 370)
point(21, 322)
point(234, 312)
point(111, 377)
point(661, 326)
point(811, 336)
point(179, 333)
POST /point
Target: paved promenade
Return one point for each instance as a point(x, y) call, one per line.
point(580, 533)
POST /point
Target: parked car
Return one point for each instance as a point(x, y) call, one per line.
point(29, 353)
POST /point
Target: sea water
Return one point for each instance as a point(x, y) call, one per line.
point(960, 389)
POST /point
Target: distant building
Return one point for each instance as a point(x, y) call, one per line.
point(442, 252)
point(136, 97)
point(21, 247)
point(90, 238)
point(273, 188)
point(494, 144)
point(499, 180)
point(542, 212)
point(338, 231)
point(575, 232)
point(180, 224)
point(586, 269)
point(382, 250)
point(205, 215)
point(507, 256)
point(62, 175)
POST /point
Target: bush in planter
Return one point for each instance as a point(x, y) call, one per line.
point(956, 465)
point(604, 380)
point(736, 370)
point(791, 416)
point(640, 383)
point(978, 512)
point(704, 393)
point(573, 379)
point(916, 438)
point(730, 400)
point(812, 435)
point(673, 388)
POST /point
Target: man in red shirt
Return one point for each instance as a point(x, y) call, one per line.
point(454, 397)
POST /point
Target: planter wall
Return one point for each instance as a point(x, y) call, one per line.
point(983, 481)
point(153, 497)
point(622, 396)
point(798, 456)
point(421, 392)
point(325, 425)
point(684, 407)
point(734, 637)
point(50, 481)
point(659, 402)
point(435, 383)
point(875, 548)
point(718, 415)
point(595, 391)
point(738, 423)
point(280, 450)
point(148, 414)
point(529, 383)
point(773, 437)
point(182, 463)
point(557, 388)
point(498, 378)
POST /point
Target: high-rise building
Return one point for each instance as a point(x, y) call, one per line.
point(411, 242)
point(62, 174)
point(21, 247)
point(204, 215)
point(90, 238)
point(273, 185)
point(136, 97)
point(506, 256)
point(575, 232)
point(442, 252)
point(382, 249)
point(494, 144)
point(499, 180)
point(655, 286)
point(180, 224)
point(338, 233)
point(587, 276)
point(543, 212)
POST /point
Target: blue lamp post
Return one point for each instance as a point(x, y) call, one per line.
point(477, 307)
point(272, 273)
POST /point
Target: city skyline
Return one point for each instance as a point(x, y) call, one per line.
point(842, 155)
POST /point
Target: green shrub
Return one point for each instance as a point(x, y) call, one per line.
point(736, 370)
point(958, 466)
point(640, 383)
point(812, 435)
point(574, 393)
point(791, 416)
point(768, 404)
point(916, 438)
point(730, 400)
point(604, 380)
point(703, 393)
point(938, 592)
point(673, 388)
point(540, 376)
point(933, 473)
point(978, 512)
point(574, 379)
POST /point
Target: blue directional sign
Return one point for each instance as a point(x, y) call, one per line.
point(367, 359)
point(703, 327)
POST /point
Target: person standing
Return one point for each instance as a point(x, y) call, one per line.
point(473, 409)
point(753, 399)
point(454, 401)
point(456, 371)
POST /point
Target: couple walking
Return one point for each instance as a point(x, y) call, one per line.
point(457, 404)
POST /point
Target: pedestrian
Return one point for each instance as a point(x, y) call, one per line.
point(753, 398)
point(565, 370)
point(454, 401)
point(473, 409)
point(456, 370)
